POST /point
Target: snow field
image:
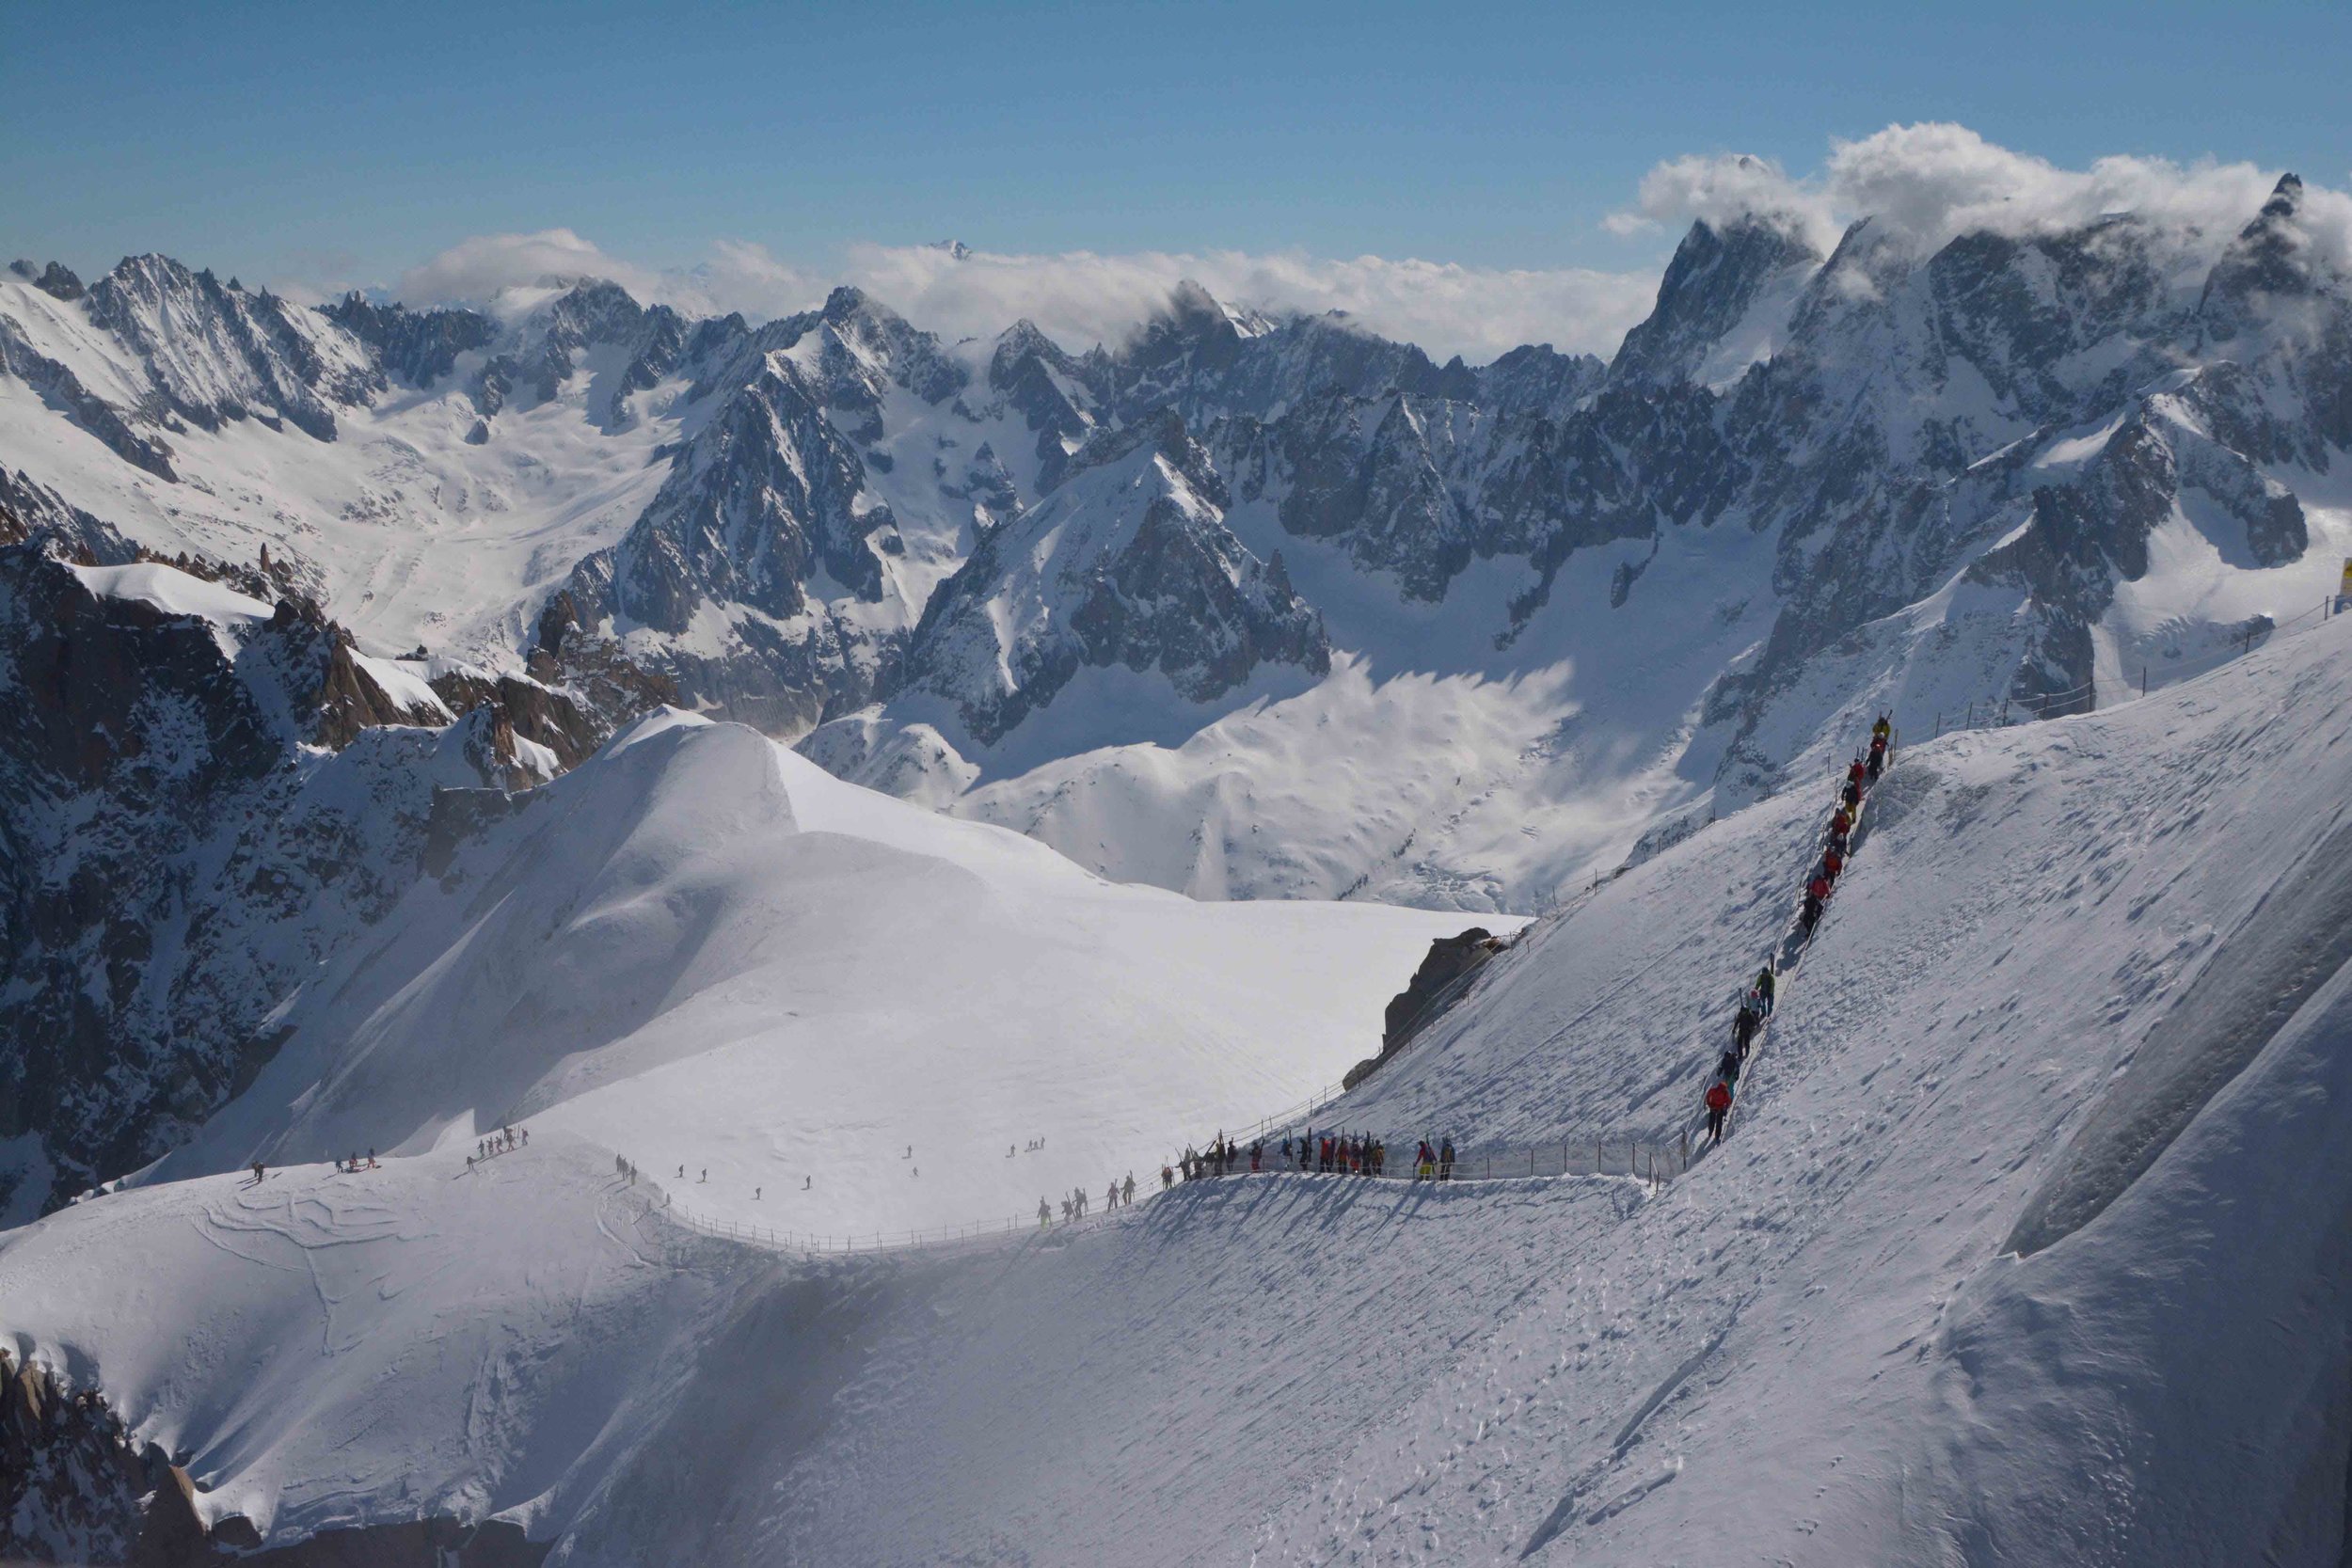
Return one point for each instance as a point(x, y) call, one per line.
point(1815, 1347)
point(1812, 1348)
point(701, 951)
point(330, 1349)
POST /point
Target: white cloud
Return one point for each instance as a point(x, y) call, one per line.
point(476, 271)
point(1720, 188)
point(1933, 181)
point(1082, 297)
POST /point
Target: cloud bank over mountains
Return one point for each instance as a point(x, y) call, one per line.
point(1934, 181)
point(1930, 179)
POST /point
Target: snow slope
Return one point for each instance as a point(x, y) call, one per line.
point(701, 951)
point(333, 1350)
point(1820, 1346)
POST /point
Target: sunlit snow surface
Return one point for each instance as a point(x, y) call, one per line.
point(703, 951)
point(1812, 1349)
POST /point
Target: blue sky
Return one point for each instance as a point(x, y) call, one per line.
point(350, 142)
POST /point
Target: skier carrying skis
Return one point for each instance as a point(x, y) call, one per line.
point(1718, 1107)
point(1044, 1215)
point(1765, 980)
point(1743, 1026)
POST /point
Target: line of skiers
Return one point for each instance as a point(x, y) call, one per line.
point(1119, 1194)
point(499, 1142)
point(1757, 1006)
point(1311, 1152)
point(1223, 1158)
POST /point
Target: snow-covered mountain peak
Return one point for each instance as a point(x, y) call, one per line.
point(1162, 436)
point(214, 352)
point(1724, 303)
point(1125, 565)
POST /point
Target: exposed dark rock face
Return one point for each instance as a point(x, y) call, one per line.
point(1128, 563)
point(1435, 985)
point(419, 347)
point(1717, 276)
point(29, 511)
point(77, 1488)
point(771, 494)
point(511, 706)
point(57, 280)
point(175, 853)
point(218, 352)
point(1448, 960)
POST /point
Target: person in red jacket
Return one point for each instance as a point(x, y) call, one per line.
point(1718, 1107)
point(1832, 863)
point(1816, 895)
point(1855, 774)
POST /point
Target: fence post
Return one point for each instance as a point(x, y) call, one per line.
point(1598, 1167)
point(1686, 1149)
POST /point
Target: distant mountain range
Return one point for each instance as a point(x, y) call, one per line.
point(1244, 606)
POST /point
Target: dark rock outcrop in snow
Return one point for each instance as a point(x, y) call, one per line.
point(176, 850)
point(57, 280)
point(76, 1487)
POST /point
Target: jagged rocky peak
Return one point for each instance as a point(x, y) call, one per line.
point(2273, 260)
point(1721, 276)
point(217, 354)
point(1020, 344)
point(1190, 335)
point(1164, 434)
point(593, 311)
point(56, 280)
point(1129, 565)
point(1050, 390)
point(419, 347)
point(879, 337)
point(1536, 378)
